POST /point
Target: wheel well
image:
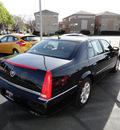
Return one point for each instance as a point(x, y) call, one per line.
point(92, 78)
point(15, 49)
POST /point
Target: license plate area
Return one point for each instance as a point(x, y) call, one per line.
point(9, 95)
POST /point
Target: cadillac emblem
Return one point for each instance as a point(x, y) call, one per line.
point(12, 73)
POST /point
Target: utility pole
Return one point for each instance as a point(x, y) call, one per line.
point(40, 20)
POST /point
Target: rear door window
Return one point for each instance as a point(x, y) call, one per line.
point(97, 47)
point(91, 50)
point(10, 39)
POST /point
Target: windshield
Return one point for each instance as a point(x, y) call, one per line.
point(55, 48)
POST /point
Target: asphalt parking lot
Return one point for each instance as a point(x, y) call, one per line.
point(101, 113)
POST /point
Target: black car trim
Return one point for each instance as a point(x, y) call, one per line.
point(20, 87)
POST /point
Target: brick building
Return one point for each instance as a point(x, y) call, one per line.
point(49, 21)
point(79, 21)
point(107, 21)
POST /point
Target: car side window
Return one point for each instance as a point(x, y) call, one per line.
point(106, 45)
point(10, 39)
point(4, 39)
point(15, 38)
point(91, 51)
point(97, 47)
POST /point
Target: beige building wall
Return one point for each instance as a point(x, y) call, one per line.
point(49, 21)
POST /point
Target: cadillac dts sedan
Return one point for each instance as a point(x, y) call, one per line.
point(56, 72)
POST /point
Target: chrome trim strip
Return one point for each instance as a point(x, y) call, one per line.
point(58, 94)
point(20, 87)
point(104, 69)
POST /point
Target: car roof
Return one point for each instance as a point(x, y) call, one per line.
point(70, 38)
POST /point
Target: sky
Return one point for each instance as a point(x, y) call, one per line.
point(63, 7)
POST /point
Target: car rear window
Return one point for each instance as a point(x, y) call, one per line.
point(55, 48)
point(29, 38)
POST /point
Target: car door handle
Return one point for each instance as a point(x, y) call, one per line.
point(95, 64)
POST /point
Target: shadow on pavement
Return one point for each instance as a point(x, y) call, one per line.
point(101, 112)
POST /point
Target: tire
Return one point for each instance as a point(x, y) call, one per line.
point(84, 93)
point(15, 51)
point(115, 69)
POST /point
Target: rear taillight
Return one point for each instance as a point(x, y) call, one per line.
point(47, 86)
point(21, 43)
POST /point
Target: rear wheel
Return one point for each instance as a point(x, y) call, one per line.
point(84, 92)
point(15, 51)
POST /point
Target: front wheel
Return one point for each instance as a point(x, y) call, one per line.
point(84, 92)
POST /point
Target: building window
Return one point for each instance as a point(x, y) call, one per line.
point(75, 17)
point(92, 25)
point(103, 17)
point(37, 16)
point(93, 17)
point(55, 16)
point(38, 25)
point(55, 24)
point(119, 18)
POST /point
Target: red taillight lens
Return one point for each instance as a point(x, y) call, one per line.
point(47, 86)
point(21, 43)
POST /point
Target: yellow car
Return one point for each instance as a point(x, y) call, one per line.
point(17, 43)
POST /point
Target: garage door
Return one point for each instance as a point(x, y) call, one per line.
point(84, 24)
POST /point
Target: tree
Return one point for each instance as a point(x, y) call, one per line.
point(18, 23)
point(5, 16)
point(29, 22)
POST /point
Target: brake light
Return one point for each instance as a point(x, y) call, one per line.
point(21, 43)
point(47, 86)
point(20, 65)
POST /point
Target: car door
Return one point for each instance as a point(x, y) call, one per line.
point(3, 42)
point(9, 44)
point(97, 59)
point(110, 54)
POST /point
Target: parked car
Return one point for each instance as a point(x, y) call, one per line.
point(56, 72)
point(3, 32)
point(17, 43)
point(21, 32)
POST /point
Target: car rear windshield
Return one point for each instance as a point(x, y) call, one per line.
point(55, 48)
point(29, 38)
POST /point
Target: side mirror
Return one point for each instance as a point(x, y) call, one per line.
point(116, 50)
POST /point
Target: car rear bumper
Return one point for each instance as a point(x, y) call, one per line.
point(32, 101)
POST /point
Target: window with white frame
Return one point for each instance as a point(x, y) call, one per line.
point(55, 16)
point(37, 16)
